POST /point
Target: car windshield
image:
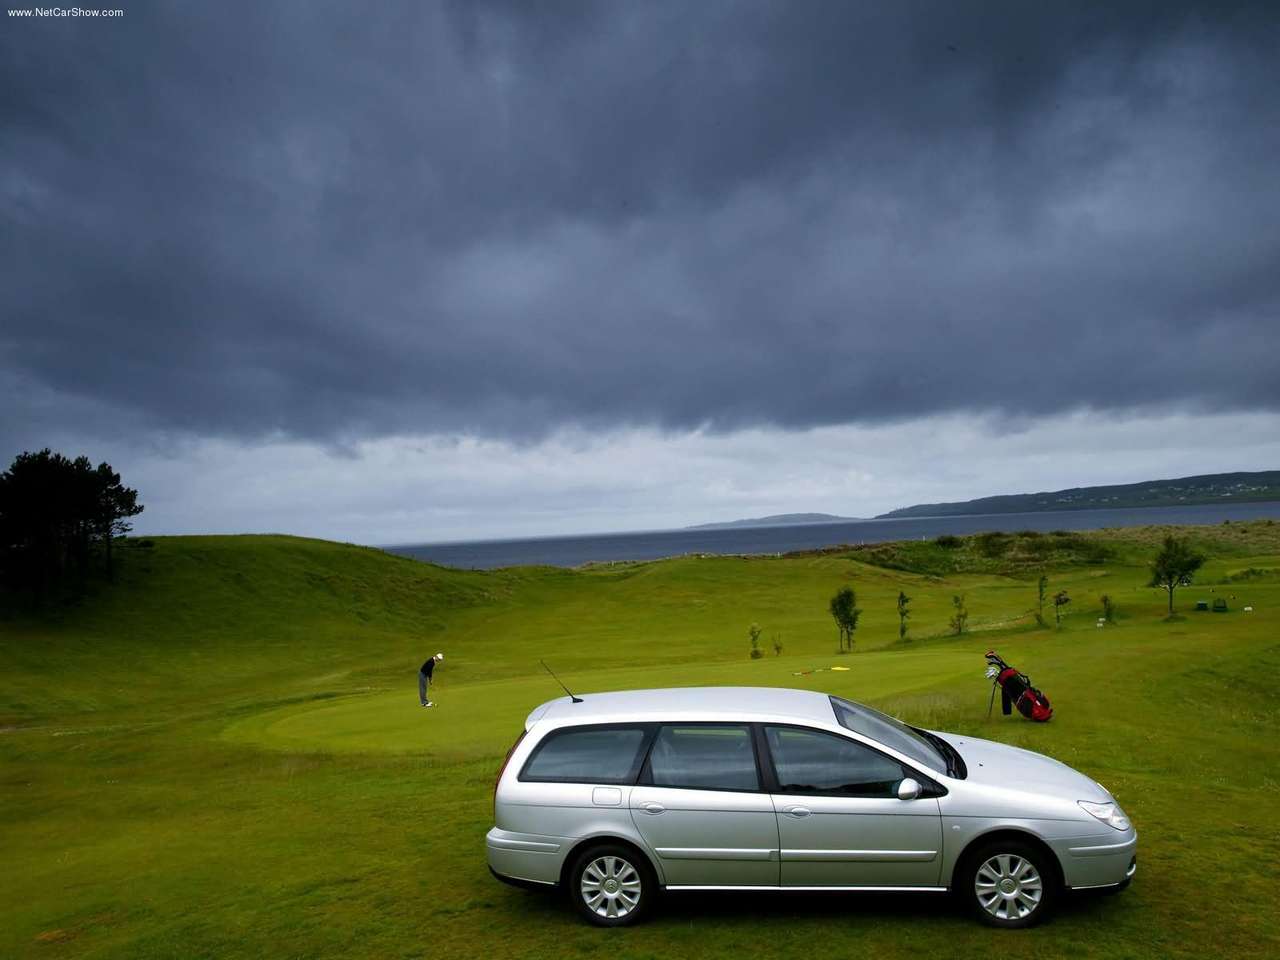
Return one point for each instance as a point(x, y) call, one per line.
point(893, 733)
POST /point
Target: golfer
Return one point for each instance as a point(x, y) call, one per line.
point(424, 678)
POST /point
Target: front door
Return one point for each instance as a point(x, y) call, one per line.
point(840, 822)
point(701, 808)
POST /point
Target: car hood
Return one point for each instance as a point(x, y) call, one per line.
point(1001, 765)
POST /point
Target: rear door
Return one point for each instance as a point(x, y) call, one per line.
point(840, 822)
point(701, 807)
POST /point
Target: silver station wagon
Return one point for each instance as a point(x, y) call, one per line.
point(618, 796)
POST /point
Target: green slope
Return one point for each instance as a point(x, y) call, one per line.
point(222, 755)
point(227, 614)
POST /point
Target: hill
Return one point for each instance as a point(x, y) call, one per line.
point(223, 614)
point(1208, 488)
point(776, 520)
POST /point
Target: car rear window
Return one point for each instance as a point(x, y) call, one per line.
point(592, 755)
point(704, 757)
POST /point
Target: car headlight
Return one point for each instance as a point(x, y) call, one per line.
point(1108, 813)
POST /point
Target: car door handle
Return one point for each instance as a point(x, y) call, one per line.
point(652, 806)
point(797, 811)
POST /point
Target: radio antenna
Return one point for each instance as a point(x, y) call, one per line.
point(557, 680)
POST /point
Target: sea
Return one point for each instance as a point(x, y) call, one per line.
point(573, 551)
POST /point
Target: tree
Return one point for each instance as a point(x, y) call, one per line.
point(1174, 566)
point(1042, 587)
point(52, 512)
point(960, 618)
point(1060, 600)
point(116, 506)
point(903, 614)
point(753, 634)
point(845, 611)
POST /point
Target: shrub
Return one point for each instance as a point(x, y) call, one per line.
point(959, 619)
point(845, 611)
point(1252, 573)
point(1091, 551)
point(1039, 548)
point(993, 544)
point(1175, 566)
point(948, 542)
point(1060, 600)
point(1108, 608)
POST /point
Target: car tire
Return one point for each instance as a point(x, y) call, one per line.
point(1008, 884)
point(612, 885)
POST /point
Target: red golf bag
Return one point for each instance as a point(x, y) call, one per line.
point(1016, 691)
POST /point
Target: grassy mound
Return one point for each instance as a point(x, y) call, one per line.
point(1010, 554)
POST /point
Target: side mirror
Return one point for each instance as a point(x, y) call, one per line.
point(909, 789)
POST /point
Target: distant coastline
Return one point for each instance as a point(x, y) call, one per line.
point(575, 551)
point(777, 520)
point(1241, 487)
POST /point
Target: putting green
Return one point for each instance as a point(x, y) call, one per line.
point(480, 718)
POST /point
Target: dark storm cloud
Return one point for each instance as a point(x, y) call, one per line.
point(344, 221)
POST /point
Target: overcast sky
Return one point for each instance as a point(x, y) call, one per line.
point(434, 271)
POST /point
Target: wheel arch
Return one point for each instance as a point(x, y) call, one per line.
point(1007, 833)
point(602, 839)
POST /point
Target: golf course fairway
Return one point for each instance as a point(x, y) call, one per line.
point(221, 754)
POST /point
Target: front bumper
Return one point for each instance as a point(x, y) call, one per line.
point(1098, 861)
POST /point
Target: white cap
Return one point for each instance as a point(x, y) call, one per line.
point(439, 656)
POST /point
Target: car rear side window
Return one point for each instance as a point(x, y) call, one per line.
point(590, 755)
point(813, 762)
point(704, 757)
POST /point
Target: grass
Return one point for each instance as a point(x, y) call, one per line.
point(222, 755)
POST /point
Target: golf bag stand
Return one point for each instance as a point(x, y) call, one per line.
point(1015, 691)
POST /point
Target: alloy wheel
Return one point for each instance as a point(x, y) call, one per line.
point(1008, 887)
point(610, 887)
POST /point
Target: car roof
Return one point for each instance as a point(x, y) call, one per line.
point(688, 703)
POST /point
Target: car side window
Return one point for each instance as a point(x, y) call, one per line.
point(814, 762)
point(704, 757)
point(590, 755)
